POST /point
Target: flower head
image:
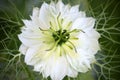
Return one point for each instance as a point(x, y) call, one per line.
point(59, 40)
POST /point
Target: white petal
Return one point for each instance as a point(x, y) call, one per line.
point(30, 58)
point(35, 13)
point(87, 56)
point(23, 49)
point(72, 72)
point(74, 16)
point(74, 60)
point(87, 63)
point(34, 25)
point(28, 23)
point(38, 67)
point(48, 65)
point(83, 23)
point(52, 4)
point(60, 69)
point(81, 14)
point(29, 41)
point(44, 15)
point(89, 44)
point(92, 33)
point(47, 68)
point(74, 9)
point(60, 6)
point(44, 66)
point(76, 63)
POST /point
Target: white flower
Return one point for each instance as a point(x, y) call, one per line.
point(59, 40)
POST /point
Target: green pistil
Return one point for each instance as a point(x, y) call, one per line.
point(61, 36)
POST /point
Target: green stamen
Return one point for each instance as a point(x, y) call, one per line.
point(61, 36)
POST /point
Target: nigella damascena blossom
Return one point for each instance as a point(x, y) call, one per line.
point(59, 40)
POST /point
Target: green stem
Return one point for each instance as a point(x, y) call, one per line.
point(27, 70)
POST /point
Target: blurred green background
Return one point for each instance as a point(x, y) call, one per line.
point(107, 14)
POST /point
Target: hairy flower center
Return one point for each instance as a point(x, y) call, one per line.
point(61, 36)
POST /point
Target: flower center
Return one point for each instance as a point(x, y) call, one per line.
point(61, 36)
